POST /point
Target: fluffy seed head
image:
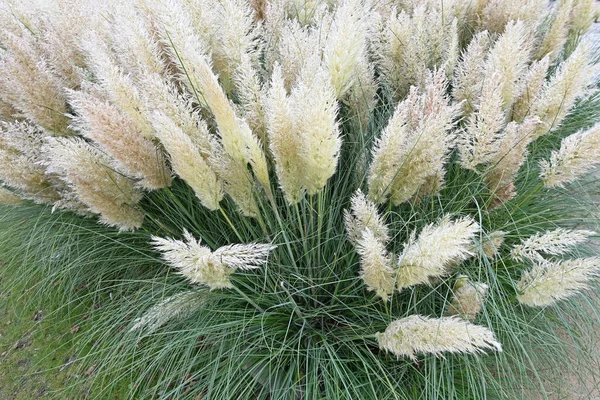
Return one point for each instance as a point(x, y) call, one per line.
point(176, 306)
point(117, 134)
point(418, 334)
point(468, 298)
point(363, 215)
point(376, 266)
point(549, 282)
point(492, 242)
point(92, 176)
point(555, 242)
point(202, 266)
point(415, 144)
point(578, 154)
point(438, 247)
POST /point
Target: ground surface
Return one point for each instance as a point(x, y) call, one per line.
point(36, 349)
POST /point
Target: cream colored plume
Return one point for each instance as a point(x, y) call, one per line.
point(253, 98)
point(28, 83)
point(438, 247)
point(363, 215)
point(418, 334)
point(415, 144)
point(582, 16)
point(202, 266)
point(482, 136)
point(173, 307)
point(8, 197)
point(284, 139)
point(188, 51)
point(295, 45)
point(492, 242)
point(345, 49)
point(135, 43)
point(569, 82)
point(376, 266)
point(494, 15)
point(20, 162)
point(176, 111)
point(548, 282)
point(407, 45)
point(533, 82)
point(91, 175)
point(470, 73)
point(468, 298)
point(578, 154)
point(506, 162)
point(119, 86)
point(509, 58)
point(314, 108)
point(187, 160)
point(303, 132)
point(118, 135)
point(555, 242)
point(554, 39)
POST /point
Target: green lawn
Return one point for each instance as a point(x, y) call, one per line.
point(38, 349)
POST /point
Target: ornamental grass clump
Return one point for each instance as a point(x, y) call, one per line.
point(341, 199)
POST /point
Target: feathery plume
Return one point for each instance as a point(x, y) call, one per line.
point(415, 144)
point(511, 154)
point(417, 334)
point(105, 124)
point(253, 98)
point(234, 36)
point(173, 307)
point(187, 160)
point(20, 162)
point(136, 46)
point(492, 242)
point(481, 138)
point(361, 97)
point(164, 99)
point(509, 58)
point(63, 25)
point(303, 131)
point(578, 154)
point(376, 266)
point(468, 298)
point(188, 51)
point(408, 45)
point(494, 15)
point(555, 242)
point(296, 45)
point(284, 140)
point(92, 177)
point(438, 247)
point(559, 94)
point(555, 38)
point(470, 73)
point(28, 83)
point(533, 82)
point(582, 16)
point(120, 88)
point(363, 215)
point(202, 266)
point(314, 110)
point(549, 282)
point(345, 46)
point(9, 198)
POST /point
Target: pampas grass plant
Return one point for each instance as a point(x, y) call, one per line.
point(340, 199)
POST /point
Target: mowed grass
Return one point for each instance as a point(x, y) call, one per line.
point(40, 348)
